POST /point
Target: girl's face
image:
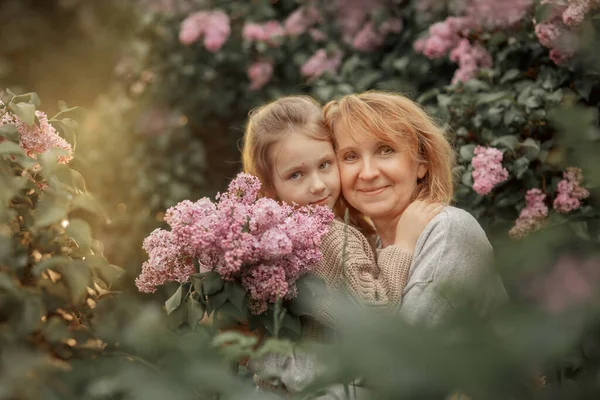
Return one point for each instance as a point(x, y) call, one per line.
point(304, 171)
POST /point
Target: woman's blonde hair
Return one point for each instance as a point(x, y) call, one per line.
point(400, 122)
point(269, 124)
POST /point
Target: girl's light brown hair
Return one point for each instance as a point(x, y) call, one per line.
point(395, 119)
point(269, 124)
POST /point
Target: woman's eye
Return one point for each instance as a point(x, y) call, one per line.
point(349, 157)
point(385, 150)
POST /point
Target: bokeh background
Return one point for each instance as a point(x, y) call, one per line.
point(167, 85)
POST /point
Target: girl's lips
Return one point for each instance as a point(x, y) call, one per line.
point(321, 202)
point(372, 192)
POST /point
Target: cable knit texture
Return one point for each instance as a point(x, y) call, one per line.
point(370, 283)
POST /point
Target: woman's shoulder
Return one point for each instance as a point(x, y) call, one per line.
point(456, 224)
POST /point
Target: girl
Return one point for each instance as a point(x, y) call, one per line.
point(289, 148)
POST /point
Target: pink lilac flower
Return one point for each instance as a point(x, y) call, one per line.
point(260, 73)
point(266, 282)
point(269, 32)
point(470, 60)
point(487, 169)
point(532, 216)
point(570, 193)
point(166, 264)
point(301, 20)
point(35, 139)
point(213, 25)
point(317, 35)
point(370, 37)
point(260, 243)
point(572, 281)
point(353, 14)
point(321, 62)
point(577, 10)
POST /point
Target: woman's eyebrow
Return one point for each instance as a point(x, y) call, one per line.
point(343, 149)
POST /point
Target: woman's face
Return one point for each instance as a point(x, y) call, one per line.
point(377, 179)
point(304, 171)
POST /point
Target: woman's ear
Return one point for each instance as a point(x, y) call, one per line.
point(421, 171)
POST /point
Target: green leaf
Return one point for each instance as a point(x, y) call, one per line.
point(520, 166)
point(25, 112)
point(50, 210)
point(511, 75)
point(88, 203)
point(30, 97)
point(467, 178)
point(215, 301)
point(292, 323)
point(530, 148)
point(543, 12)
point(212, 283)
point(467, 152)
point(11, 148)
point(533, 102)
point(77, 278)
point(195, 312)
point(232, 337)
point(174, 301)
point(50, 263)
point(109, 273)
point(10, 132)
point(507, 141)
point(236, 294)
point(81, 232)
point(485, 98)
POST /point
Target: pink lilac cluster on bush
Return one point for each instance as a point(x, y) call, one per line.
point(557, 32)
point(321, 62)
point(487, 169)
point(213, 25)
point(36, 139)
point(370, 37)
point(260, 73)
point(264, 245)
point(569, 191)
point(451, 36)
point(532, 216)
point(270, 32)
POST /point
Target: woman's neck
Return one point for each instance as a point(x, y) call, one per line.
point(386, 229)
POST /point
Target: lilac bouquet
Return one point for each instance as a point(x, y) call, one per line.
point(239, 256)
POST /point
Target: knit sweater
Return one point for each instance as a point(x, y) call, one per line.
point(370, 282)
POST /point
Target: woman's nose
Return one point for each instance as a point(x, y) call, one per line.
point(368, 170)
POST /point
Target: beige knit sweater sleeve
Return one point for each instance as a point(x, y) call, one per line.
point(371, 282)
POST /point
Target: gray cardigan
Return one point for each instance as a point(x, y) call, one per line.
point(453, 266)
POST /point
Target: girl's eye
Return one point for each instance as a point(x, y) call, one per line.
point(349, 157)
point(386, 150)
point(295, 176)
point(325, 165)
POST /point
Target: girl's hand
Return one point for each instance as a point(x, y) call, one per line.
point(413, 222)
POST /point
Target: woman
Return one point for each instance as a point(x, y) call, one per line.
point(390, 153)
